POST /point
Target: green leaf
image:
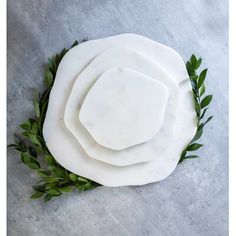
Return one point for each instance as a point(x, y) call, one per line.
point(84, 186)
point(49, 159)
point(193, 60)
point(197, 135)
point(73, 177)
point(41, 140)
point(63, 182)
point(12, 146)
point(26, 133)
point(39, 187)
point(34, 139)
point(82, 179)
point(50, 179)
point(81, 186)
point(93, 186)
point(52, 65)
point(57, 59)
point(190, 69)
point(199, 61)
point(33, 165)
point(34, 128)
point(37, 195)
point(48, 78)
point(25, 157)
point(33, 159)
point(201, 79)
point(204, 111)
point(63, 52)
point(197, 107)
point(53, 191)
point(202, 89)
point(59, 173)
point(48, 197)
point(206, 101)
point(43, 114)
point(51, 167)
point(50, 185)
point(36, 107)
point(65, 189)
point(184, 153)
point(194, 147)
point(26, 125)
point(44, 108)
point(42, 173)
point(190, 157)
point(208, 119)
point(45, 97)
point(74, 44)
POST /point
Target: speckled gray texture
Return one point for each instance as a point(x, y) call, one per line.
point(193, 201)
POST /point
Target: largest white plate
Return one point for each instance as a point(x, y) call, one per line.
point(65, 148)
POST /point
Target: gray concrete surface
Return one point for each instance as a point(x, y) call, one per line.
point(193, 201)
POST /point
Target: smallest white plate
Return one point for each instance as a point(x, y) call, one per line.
point(124, 108)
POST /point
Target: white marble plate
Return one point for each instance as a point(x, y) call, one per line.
point(64, 147)
point(124, 108)
point(136, 61)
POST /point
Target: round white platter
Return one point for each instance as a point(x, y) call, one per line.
point(81, 67)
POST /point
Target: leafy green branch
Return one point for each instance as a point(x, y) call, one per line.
point(54, 179)
point(201, 104)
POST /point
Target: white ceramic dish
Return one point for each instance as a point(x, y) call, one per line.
point(65, 147)
point(84, 82)
point(124, 108)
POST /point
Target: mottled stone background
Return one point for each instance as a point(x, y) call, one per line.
point(193, 201)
